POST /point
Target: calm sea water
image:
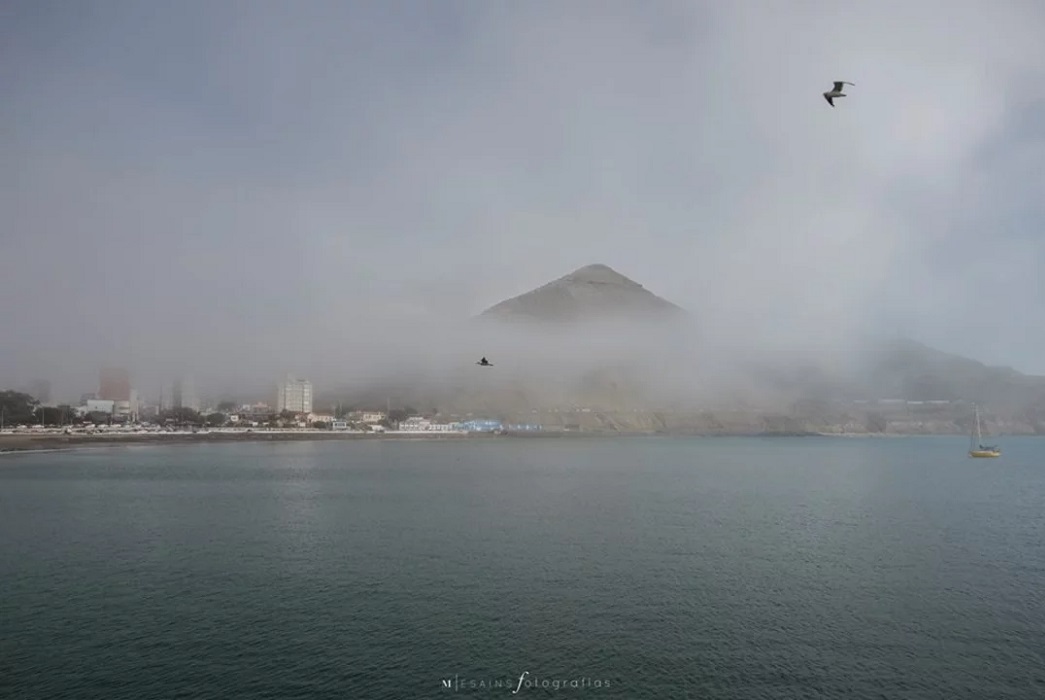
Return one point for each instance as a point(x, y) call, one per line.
point(639, 568)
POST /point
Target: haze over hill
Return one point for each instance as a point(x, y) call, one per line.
point(591, 333)
point(595, 338)
point(590, 293)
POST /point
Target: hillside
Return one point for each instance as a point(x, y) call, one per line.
point(910, 370)
point(588, 293)
point(628, 380)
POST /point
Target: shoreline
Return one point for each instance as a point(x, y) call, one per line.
point(57, 442)
point(21, 443)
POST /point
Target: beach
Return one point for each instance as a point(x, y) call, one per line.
point(11, 443)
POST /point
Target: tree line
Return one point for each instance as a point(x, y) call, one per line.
point(18, 408)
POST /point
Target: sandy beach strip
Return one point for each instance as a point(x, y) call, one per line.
point(29, 442)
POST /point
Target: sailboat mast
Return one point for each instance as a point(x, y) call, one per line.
point(974, 433)
point(976, 446)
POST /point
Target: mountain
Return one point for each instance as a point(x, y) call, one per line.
point(592, 292)
point(910, 370)
point(904, 382)
point(906, 369)
point(554, 368)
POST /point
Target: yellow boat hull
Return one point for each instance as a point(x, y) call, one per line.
point(985, 453)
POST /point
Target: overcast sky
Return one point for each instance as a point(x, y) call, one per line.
point(185, 180)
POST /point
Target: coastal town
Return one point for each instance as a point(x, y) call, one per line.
point(116, 412)
point(116, 409)
point(900, 387)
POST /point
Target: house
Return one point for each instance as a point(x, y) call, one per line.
point(368, 417)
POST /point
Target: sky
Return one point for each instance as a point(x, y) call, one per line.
point(241, 189)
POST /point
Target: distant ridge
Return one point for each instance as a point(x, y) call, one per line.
point(589, 293)
point(568, 375)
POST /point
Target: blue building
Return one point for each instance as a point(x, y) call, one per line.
point(480, 426)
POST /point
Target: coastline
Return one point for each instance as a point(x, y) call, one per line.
point(22, 443)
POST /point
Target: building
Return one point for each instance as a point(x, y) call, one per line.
point(183, 394)
point(100, 406)
point(481, 426)
point(423, 425)
point(368, 417)
point(114, 384)
point(294, 395)
point(166, 401)
point(445, 428)
point(128, 409)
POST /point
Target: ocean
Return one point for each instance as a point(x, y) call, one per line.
point(570, 568)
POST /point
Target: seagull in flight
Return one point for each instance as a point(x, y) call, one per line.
point(484, 363)
point(830, 95)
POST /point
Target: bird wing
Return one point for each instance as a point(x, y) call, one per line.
point(829, 100)
point(838, 85)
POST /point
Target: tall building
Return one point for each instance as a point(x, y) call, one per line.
point(127, 409)
point(294, 395)
point(114, 384)
point(184, 394)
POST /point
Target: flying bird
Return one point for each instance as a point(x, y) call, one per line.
point(484, 363)
point(830, 95)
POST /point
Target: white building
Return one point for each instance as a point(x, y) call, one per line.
point(444, 427)
point(417, 425)
point(368, 417)
point(128, 409)
point(100, 406)
point(294, 395)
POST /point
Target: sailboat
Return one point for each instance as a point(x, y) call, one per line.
point(976, 446)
